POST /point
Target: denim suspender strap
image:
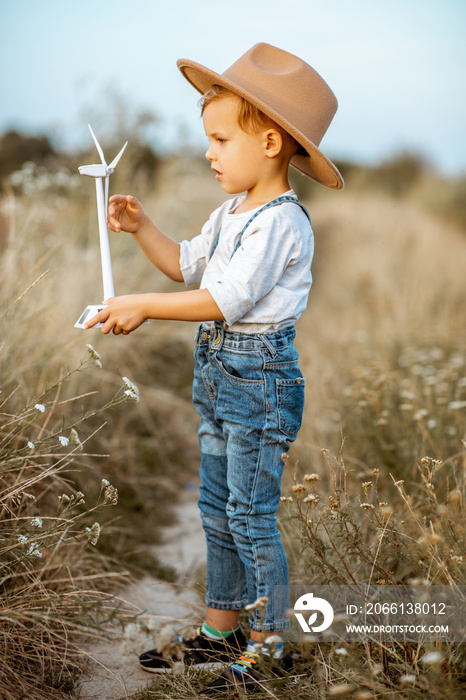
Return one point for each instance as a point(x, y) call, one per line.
point(273, 203)
point(214, 247)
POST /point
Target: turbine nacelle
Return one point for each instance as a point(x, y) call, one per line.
point(97, 170)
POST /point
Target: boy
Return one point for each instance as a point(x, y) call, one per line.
point(252, 259)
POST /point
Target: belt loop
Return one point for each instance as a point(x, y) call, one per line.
point(268, 345)
point(217, 336)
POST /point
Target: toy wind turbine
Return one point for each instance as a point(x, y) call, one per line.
point(101, 172)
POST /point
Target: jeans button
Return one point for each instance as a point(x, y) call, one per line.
point(204, 335)
point(217, 340)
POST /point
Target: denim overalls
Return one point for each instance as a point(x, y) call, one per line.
point(249, 392)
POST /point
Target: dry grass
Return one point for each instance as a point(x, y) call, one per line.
point(382, 347)
point(55, 590)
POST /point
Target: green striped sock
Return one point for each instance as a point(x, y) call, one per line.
point(215, 634)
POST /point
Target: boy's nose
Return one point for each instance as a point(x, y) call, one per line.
point(208, 154)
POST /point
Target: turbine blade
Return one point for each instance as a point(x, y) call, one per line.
point(114, 162)
point(99, 149)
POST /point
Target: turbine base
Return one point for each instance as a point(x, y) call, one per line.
point(88, 313)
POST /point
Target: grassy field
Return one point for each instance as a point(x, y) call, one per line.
point(383, 351)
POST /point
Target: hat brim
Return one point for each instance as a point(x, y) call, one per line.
point(315, 166)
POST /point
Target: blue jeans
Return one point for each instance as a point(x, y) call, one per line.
point(249, 393)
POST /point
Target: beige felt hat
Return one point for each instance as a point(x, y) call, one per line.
point(289, 91)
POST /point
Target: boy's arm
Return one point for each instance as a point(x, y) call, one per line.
point(126, 313)
point(126, 213)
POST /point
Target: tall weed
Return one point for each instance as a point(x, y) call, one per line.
point(55, 589)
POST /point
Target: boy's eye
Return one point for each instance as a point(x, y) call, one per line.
point(221, 140)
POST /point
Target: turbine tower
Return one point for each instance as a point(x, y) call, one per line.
point(101, 172)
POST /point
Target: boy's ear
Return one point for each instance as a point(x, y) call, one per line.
point(273, 142)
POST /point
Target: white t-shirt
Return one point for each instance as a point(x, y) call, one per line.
point(264, 286)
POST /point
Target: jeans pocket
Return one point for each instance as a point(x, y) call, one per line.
point(246, 369)
point(290, 404)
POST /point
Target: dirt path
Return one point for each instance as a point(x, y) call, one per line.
point(114, 673)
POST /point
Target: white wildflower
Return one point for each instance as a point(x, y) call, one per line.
point(31, 445)
point(406, 407)
point(299, 487)
point(34, 551)
point(341, 651)
point(313, 497)
point(94, 355)
point(64, 499)
point(431, 380)
point(431, 423)
point(407, 679)
point(22, 539)
point(36, 522)
point(436, 353)
point(104, 483)
point(432, 658)
point(367, 506)
point(419, 582)
point(74, 438)
point(261, 602)
point(311, 477)
point(93, 533)
point(431, 461)
point(456, 405)
point(40, 407)
point(407, 395)
point(110, 495)
point(64, 442)
point(456, 361)
point(421, 414)
point(132, 392)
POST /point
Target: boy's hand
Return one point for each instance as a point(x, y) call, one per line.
point(121, 314)
point(125, 213)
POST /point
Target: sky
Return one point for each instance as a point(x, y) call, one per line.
point(396, 66)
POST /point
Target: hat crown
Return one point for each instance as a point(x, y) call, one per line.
point(286, 85)
point(275, 61)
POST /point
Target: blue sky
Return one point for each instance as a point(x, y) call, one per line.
point(396, 66)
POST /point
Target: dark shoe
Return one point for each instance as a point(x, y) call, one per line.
point(198, 651)
point(250, 671)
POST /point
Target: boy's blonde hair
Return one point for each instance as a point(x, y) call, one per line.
point(250, 117)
